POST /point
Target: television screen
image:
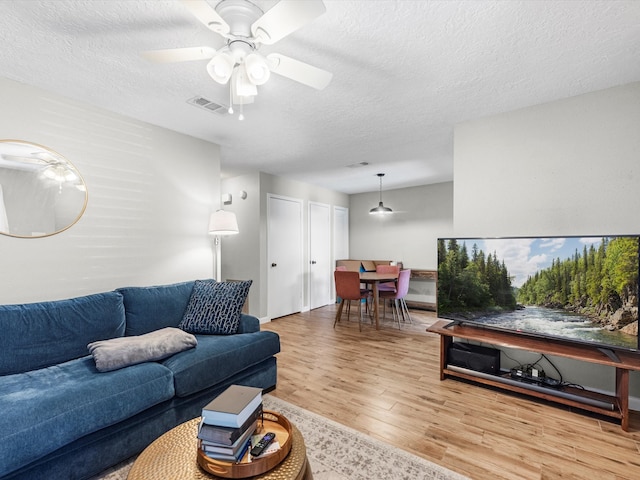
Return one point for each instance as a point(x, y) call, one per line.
point(582, 289)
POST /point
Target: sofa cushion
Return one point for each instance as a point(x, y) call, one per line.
point(37, 335)
point(217, 358)
point(46, 409)
point(214, 307)
point(153, 308)
point(121, 352)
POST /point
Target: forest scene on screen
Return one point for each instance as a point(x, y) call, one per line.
point(584, 288)
point(471, 281)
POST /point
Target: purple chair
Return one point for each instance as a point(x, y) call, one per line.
point(399, 306)
point(387, 286)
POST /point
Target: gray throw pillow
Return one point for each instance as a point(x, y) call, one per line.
point(121, 352)
point(215, 307)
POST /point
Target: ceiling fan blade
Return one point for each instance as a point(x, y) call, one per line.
point(299, 71)
point(185, 54)
point(207, 15)
point(284, 18)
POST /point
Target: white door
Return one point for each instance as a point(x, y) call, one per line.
point(340, 239)
point(340, 233)
point(320, 270)
point(284, 255)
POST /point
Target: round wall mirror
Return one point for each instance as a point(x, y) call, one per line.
point(41, 192)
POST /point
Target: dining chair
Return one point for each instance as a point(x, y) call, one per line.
point(387, 286)
point(347, 289)
point(342, 268)
point(399, 306)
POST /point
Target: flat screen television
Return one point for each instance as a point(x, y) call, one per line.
point(581, 289)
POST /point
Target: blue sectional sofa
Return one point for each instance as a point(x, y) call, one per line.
point(62, 418)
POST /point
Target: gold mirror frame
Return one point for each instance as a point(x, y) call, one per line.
point(41, 192)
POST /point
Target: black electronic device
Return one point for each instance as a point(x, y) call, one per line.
point(474, 357)
point(532, 286)
point(551, 382)
point(259, 447)
point(531, 375)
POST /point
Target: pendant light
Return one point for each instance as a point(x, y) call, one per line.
point(380, 209)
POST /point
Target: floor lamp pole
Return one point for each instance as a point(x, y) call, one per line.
point(218, 259)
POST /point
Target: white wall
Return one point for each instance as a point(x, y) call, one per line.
point(569, 167)
point(409, 235)
point(421, 215)
point(150, 190)
point(241, 259)
point(245, 255)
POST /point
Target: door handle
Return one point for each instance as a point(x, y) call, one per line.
point(274, 264)
point(313, 262)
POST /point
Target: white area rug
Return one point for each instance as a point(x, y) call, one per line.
point(337, 452)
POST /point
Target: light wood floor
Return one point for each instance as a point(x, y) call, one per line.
point(386, 384)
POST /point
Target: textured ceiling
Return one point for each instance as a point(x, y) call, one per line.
point(404, 73)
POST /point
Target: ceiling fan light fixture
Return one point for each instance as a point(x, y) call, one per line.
point(220, 68)
point(380, 209)
point(241, 84)
point(246, 27)
point(257, 69)
point(59, 173)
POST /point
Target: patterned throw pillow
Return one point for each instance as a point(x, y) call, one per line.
point(214, 307)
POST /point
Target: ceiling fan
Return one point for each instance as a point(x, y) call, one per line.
point(246, 28)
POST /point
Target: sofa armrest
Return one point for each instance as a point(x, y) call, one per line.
point(248, 324)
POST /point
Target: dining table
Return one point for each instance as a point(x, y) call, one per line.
point(375, 279)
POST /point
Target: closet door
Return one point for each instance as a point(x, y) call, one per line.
point(340, 240)
point(340, 233)
point(320, 270)
point(284, 255)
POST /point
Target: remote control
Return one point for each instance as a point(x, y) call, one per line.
point(262, 444)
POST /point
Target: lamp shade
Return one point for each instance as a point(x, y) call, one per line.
point(223, 223)
point(220, 67)
point(380, 210)
point(257, 69)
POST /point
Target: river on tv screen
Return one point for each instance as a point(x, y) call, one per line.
point(581, 288)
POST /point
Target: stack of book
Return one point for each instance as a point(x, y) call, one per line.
point(229, 421)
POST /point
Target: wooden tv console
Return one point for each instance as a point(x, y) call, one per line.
point(612, 406)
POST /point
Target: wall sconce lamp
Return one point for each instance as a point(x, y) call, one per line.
point(221, 224)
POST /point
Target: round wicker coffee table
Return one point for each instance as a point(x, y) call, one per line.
point(173, 457)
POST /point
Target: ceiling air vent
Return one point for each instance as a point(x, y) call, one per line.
point(358, 165)
point(207, 105)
